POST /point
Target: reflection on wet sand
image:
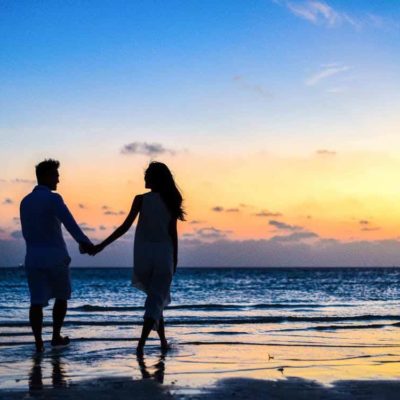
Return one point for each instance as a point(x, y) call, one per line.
point(159, 369)
point(58, 378)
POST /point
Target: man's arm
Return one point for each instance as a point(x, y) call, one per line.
point(66, 218)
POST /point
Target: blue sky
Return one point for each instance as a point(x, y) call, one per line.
point(226, 87)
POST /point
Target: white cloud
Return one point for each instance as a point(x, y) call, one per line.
point(326, 72)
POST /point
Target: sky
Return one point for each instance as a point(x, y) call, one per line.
point(278, 118)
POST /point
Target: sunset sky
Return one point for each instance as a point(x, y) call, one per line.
point(279, 119)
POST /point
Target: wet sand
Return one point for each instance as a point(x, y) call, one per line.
point(366, 365)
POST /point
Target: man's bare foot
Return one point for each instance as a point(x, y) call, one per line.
point(58, 342)
point(39, 347)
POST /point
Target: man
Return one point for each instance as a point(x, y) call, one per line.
point(47, 261)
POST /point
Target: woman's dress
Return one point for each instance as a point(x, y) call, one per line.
point(153, 255)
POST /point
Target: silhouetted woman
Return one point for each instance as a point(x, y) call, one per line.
point(156, 245)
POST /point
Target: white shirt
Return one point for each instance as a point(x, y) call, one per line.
point(42, 212)
point(154, 220)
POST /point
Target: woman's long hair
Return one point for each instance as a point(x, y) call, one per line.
point(160, 179)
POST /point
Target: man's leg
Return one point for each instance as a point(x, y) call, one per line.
point(36, 321)
point(59, 312)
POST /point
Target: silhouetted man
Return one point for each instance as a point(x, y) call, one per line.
point(47, 260)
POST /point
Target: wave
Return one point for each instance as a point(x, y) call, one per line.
point(223, 321)
point(207, 307)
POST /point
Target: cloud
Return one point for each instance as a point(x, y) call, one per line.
point(148, 149)
point(232, 210)
point(82, 206)
point(102, 227)
point(268, 214)
point(325, 152)
point(320, 252)
point(217, 209)
point(109, 212)
point(23, 180)
point(283, 226)
point(326, 72)
point(87, 228)
point(105, 207)
point(16, 234)
point(244, 205)
point(257, 89)
point(196, 222)
point(363, 222)
point(370, 229)
point(209, 233)
point(17, 220)
point(319, 13)
point(7, 201)
point(295, 237)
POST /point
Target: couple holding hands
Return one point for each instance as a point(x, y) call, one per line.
point(47, 261)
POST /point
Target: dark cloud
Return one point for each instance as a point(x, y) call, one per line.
point(87, 228)
point(105, 207)
point(366, 229)
point(268, 214)
point(7, 200)
point(16, 220)
point(244, 205)
point(364, 222)
point(217, 209)
point(324, 252)
point(110, 212)
point(211, 233)
point(23, 180)
point(324, 152)
point(80, 205)
point(284, 226)
point(295, 237)
point(148, 149)
point(16, 234)
point(102, 227)
point(196, 222)
point(232, 210)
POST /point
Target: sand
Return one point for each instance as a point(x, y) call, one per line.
point(367, 368)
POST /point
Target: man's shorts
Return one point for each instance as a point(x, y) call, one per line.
point(48, 283)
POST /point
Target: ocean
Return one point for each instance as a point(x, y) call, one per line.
point(323, 307)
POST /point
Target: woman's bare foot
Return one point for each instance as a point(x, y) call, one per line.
point(139, 351)
point(165, 346)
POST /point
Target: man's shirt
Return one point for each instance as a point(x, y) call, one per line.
point(42, 212)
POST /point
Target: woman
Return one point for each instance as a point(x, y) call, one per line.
point(156, 246)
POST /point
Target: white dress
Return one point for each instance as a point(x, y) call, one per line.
point(153, 255)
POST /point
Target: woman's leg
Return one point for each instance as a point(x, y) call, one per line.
point(161, 334)
point(148, 324)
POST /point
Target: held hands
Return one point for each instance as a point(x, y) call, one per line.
point(90, 248)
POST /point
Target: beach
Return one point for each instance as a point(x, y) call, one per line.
point(366, 367)
point(345, 346)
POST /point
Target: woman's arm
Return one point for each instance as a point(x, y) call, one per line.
point(174, 235)
point(121, 230)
